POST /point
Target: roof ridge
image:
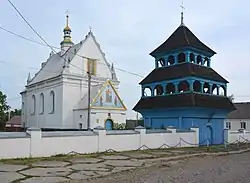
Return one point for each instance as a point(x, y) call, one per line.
point(185, 34)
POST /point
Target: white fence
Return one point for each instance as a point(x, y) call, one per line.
point(236, 136)
point(35, 143)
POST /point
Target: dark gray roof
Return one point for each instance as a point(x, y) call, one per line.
point(182, 70)
point(182, 37)
point(242, 111)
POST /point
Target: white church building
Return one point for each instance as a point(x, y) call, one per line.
point(57, 96)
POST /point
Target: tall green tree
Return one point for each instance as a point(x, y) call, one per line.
point(3, 109)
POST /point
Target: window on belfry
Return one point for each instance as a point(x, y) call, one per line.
point(91, 66)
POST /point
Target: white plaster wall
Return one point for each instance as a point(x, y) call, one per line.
point(14, 147)
point(98, 141)
point(97, 117)
point(156, 140)
point(73, 92)
point(91, 50)
point(235, 123)
point(46, 119)
point(102, 115)
point(49, 146)
point(119, 142)
point(236, 136)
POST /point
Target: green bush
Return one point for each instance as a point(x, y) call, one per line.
point(120, 126)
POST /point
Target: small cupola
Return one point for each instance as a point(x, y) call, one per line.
point(67, 42)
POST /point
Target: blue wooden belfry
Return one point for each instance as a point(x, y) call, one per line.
point(183, 90)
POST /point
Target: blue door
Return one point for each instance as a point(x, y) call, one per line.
point(108, 124)
point(206, 135)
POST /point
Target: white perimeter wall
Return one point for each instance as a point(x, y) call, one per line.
point(35, 143)
point(234, 136)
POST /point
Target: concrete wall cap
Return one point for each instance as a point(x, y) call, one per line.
point(140, 127)
point(99, 128)
point(34, 129)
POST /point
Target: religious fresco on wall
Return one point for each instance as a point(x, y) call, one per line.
point(108, 98)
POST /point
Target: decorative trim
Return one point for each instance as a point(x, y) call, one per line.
point(108, 82)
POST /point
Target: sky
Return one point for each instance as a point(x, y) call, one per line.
point(127, 32)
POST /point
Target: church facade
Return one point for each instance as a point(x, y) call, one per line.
point(183, 90)
point(57, 96)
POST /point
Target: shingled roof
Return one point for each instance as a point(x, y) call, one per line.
point(182, 37)
point(184, 100)
point(182, 70)
point(242, 111)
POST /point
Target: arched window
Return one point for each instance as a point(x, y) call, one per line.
point(199, 60)
point(41, 103)
point(52, 100)
point(222, 91)
point(192, 58)
point(181, 58)
point(147, 92)
point(206, 88)
point(214, 89)
point(162, 62)
point(206, 62)
point(197, 86)
point(170, 88)
point(183, 86)
point(158, 90)
point(33, 110)
point(170, 60)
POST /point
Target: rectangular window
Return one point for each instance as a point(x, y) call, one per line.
point(91, 64)
point(228, 125)
point(243, 125)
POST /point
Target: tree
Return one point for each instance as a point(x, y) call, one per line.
point(3, 108)
point(15, 112)
point(231, 98)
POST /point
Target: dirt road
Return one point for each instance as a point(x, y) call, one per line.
point(220, 169)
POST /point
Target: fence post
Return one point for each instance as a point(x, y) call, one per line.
point(227, 136)
point(175, 139)
point(142, 132)
point(197, 139)
point(101, 144)
point(35, 138)
point(244, 136)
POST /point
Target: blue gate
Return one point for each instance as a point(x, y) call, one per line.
point(210, 134)
point(109, 124)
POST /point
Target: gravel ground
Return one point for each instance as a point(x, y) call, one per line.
point(219, 169)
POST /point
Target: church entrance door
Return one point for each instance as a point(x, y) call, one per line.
point(108, 124)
